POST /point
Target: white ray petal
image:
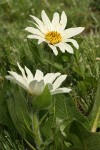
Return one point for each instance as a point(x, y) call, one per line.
point(54, 49)
point(29, 74)
point(34, 31)
point(59, 81)
point(22, 70)
point(11, 78)
point(47, 76)
point(61, 46)
point(46, 20)
point(55, 21)
point(50, 86)
point(74, 42)
point(36, 88)
point(60, 90)
point(31, 36)
point(19, 78)
point(59, 29)
point(68, 48)
point(39, 22)
point(38, 75)
point(72, 32)
point(41, 40)
point(63, 20)
point(53, 77)
point(20, 82)
point(43, 30)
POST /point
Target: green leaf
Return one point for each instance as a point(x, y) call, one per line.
point(19, 113)
point(4, 114)
point(42, 101)
point(16, 122)
point(46, 127)
point(94, 116)
point(81, 138)
point(50, 129)
point(22, 109)
point(65, 108)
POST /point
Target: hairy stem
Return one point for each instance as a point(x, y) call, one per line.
point(36, 130)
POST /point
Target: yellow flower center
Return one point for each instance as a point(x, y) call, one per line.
point(53, 37)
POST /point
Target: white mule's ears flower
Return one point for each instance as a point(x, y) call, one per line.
point(54, 32)
point(36, 84)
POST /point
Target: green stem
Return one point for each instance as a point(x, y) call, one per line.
point(30, 145)
point(36, 131)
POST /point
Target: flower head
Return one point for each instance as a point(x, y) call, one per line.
point(54, 32)
point(36, 84)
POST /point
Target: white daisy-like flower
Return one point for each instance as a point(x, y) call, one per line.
point(54, 32)
point(36, 84)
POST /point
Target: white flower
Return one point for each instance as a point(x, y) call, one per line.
point(36, 84)
point(54, 32)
